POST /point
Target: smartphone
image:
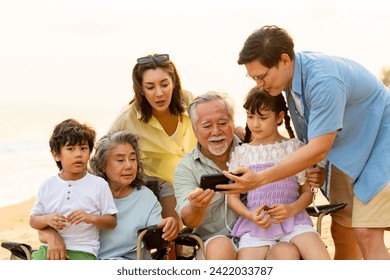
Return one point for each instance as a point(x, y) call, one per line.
point(209, 181)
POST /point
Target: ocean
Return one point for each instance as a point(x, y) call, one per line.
point(25, 158)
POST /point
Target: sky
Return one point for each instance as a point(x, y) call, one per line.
point(66, 54)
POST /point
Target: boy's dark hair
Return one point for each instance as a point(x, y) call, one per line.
point(68, 133)
point(258, 99)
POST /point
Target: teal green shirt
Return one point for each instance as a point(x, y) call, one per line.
point(187, 178)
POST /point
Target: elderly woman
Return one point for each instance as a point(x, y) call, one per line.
point(117, 160)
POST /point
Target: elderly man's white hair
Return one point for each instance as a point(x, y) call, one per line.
point(208, 97)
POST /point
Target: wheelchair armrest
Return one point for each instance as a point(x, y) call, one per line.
point(187, 237)
point(325, 209)
point(19, 250)
point(185, 230)
point(151, 238)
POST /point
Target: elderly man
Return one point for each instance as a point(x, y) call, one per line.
point(206, 211)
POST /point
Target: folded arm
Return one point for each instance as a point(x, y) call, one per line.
point(56, 249)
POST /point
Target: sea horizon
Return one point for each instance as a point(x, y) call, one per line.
point(25, 158)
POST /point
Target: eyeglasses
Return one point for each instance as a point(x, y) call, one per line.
point(155, 57)
point(260, 77)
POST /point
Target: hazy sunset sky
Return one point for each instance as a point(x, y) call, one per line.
point(80, 53)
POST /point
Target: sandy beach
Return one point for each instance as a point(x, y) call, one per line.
point(14, 227)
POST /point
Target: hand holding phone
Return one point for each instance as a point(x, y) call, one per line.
point(209, 181)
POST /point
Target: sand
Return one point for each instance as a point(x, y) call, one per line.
point(14, 226)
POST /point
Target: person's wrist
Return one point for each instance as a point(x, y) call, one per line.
point(51, 238)
point(259, 179)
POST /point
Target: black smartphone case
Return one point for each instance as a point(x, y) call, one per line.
point(209, 181)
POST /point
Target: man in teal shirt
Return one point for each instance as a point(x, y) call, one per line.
point(342, 112)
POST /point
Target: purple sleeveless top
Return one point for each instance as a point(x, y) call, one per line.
point(281, 192)
point(259, 158)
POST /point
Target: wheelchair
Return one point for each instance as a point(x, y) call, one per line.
point(188, 245)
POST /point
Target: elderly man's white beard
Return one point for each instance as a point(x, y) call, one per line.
point(220, 149)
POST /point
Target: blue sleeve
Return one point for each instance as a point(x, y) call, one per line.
point(326, 100)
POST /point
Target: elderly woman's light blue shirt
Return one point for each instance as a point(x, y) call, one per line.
point(138, 210)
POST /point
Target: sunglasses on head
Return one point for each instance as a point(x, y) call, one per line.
point(150, 58)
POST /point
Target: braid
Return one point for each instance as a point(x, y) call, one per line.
point(248, 134)
point(281, 106)
point(288, 125)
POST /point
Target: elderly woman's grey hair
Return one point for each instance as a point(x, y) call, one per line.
point(104, 147)
point(208, 97)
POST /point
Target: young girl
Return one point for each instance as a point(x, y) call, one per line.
point(274, 212)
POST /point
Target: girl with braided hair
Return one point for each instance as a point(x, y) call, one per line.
point(274, 212)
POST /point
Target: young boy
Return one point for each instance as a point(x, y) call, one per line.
point(74, 202)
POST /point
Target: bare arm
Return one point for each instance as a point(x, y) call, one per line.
point(258, 216)
point(310, 154)
point(55, 220)
point(168, 204)
point(56, 249)
point(100, 221)
point(281, 212)
point(194, 213)
point(235, 203)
